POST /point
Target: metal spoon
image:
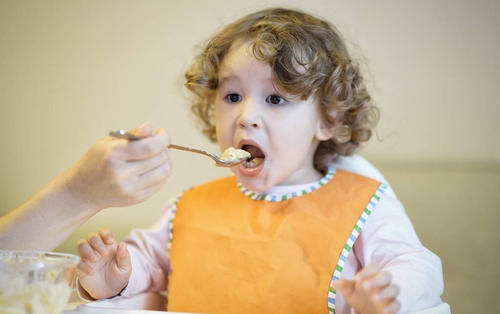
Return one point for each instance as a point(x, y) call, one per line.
point(218, 161)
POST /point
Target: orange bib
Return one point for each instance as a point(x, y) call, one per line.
point(234, 254)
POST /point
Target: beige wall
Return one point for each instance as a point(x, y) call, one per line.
point(70, 71)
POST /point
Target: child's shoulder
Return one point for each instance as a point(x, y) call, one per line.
point(359, 165)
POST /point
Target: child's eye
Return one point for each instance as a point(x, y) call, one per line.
point(275, 99)
point(233, 97)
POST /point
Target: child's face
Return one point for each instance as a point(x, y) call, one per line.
point(281, 130)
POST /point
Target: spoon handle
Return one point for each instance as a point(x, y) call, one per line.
point(218, 161)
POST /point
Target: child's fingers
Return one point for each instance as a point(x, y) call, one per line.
point(379, 280)
point(96, 243)
point(346, 287)
point(123, 257)
point(107, 236)
point(84, 268)
point(388, 293)
point(367, 272)
point(392, 307)
point(86, 252)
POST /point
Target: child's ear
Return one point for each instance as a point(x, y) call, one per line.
point(324, 131)
point(327, 130)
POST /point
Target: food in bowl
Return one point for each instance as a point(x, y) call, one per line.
point(35, 282)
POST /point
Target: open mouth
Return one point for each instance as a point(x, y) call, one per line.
point(256, 158)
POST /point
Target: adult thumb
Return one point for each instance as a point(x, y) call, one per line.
point(346, 287)
point(144, 130)
point(123, 258)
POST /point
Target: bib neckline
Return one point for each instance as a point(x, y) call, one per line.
point(291, 190)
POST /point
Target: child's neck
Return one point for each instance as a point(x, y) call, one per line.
point(302, 177)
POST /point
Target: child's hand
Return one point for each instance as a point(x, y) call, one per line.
point(105, 267)
point(370, 291)
point(116, 172)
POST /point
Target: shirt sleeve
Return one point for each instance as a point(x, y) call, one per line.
point(149, 254)
point(390, 241)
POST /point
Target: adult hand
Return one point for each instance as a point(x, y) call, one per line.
point(118, 172)
point(114, 172)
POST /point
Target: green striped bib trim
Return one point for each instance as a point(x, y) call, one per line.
point(275, 197)
point(171, 222)
point(350, 243)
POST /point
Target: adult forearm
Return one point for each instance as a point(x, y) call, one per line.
point(45, 220)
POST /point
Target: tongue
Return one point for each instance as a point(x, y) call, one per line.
point(254, 151)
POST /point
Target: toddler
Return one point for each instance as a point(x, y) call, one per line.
point(288, 233)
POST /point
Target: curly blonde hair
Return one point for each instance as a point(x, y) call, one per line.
point(307, 56)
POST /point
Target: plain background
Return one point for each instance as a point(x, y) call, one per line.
point(70, 71)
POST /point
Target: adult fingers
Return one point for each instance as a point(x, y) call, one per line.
point(107, 236)
point(97, 244)
point(144, 130)
point(148, 192)
point(147, 147)
point(156, 176)
point(86, 252)
point(146, 188)
point(143, 166)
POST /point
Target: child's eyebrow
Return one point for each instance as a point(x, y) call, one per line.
point(225, 79)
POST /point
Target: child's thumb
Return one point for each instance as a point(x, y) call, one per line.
point(123, 258)
point(346, 287)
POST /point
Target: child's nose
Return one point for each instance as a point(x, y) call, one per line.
point(250, 115)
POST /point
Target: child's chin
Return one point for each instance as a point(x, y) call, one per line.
point(253, 184)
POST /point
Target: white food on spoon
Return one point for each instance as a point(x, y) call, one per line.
point(233, 154)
